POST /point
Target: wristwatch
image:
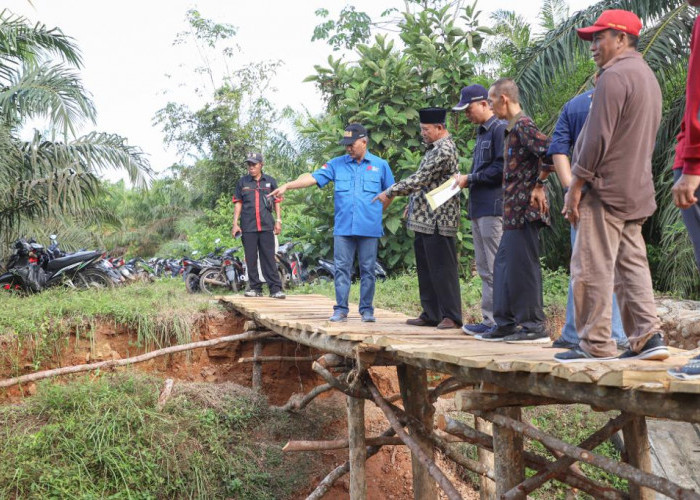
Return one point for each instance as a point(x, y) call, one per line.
point(541, 182)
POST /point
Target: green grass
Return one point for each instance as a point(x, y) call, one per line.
point(106, 439)
point(36, 327)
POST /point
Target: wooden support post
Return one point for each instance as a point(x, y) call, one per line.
point(487, 488)
point(638, 454)
point(358, 451)
point(509, 465)
point(414, 392)
point(257, 366)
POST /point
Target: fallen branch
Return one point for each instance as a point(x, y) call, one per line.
point(263, 359)
point(113, 363)
point(339, 444)
point(165, 393)
point(295, 403)
point(422, 457)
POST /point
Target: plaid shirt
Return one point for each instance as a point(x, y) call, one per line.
point(525, 149)
point(438, 164)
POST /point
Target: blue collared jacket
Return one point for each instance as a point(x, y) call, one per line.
point(486, 177)
point(570, 123)
point(355, 185)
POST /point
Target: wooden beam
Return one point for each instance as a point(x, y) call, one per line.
point(114, 363)
point(257, 366)
point(358, 452)
point(476, 400)
point(413, 383)
point(638, 449)
point(509, 464)
point(299, 403)
point(266, 359)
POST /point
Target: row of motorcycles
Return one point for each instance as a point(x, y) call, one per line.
point(222, 270)
point(33, 268)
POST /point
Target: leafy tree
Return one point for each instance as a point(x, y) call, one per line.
point(53, 173)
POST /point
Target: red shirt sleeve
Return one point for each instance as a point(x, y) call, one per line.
point(688, 147)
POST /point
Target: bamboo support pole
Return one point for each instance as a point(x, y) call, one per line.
point(427, 462)
point(358, 450)
point(560, 465)
point(413, 383)
point(114, 363)
point(620, 469)
point(532, 460)
point(638, 450)
point(257, 366)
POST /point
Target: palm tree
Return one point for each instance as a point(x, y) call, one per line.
point(54, 172)
point(559, 60)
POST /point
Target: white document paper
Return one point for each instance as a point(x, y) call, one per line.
point(442, 193)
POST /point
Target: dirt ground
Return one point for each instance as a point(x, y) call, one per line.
point(388, 472)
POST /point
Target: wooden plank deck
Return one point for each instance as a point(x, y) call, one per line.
point(521, 367)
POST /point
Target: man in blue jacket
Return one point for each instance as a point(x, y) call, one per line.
point(485, 195)
point(358, 177)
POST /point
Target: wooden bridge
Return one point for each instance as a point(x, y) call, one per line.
point(492, 381)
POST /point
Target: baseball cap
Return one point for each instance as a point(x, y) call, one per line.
point(470, 94)
point(615, 19)
point(353, 132)
point(254, 158)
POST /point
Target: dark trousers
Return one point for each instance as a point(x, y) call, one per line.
point(438, 277)
point(517, 280)
point(691, 219)
point(262, 243)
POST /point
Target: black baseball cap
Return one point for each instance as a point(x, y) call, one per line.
point(254, 158)
point(353, 132)
point(470, 94)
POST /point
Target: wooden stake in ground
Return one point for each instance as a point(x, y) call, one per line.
point(638, 453)
point(257, 366)
point(165, 393)
point(113, 363)
point(358, 452)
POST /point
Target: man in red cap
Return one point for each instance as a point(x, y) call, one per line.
point(612, 194)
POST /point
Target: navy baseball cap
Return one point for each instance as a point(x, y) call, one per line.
point(470, 94)
point(353, 132)
point(254, 158)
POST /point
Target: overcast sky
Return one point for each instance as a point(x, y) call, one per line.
point(128, 51)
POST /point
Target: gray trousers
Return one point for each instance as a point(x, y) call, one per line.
point(486, 233)
point(691, 219)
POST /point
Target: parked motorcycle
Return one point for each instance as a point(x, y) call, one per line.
point(289, 266)
point(230, 275)
point(194, 267)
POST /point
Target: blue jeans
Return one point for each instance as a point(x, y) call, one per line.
point(344, 248)
point(568, 332)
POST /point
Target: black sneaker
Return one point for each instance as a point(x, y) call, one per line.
point(560, 343)
point(528, 337)
point(577, 355)
point(495, 335)
point(654, 349)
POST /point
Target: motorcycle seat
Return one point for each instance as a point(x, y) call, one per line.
point(56, 264)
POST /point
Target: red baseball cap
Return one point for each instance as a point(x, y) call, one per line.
point(615, 19)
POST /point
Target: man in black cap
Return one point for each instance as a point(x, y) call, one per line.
point(435, 230)
point(254, 209)
point(485, 183)
point(358, 177)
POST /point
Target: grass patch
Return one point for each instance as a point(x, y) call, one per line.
point(106, 439)
point(38, 326)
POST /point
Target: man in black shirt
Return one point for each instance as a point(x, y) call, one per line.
point(254, 209)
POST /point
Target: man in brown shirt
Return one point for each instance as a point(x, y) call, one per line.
point(612, 194)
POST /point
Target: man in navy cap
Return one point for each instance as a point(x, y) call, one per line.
point(358, 177)
point(435, 230)
point(257, 225)
point(485, 183)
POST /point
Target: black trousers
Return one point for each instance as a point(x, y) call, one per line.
point(262, 243)
point(517, 280)
point(438, 277)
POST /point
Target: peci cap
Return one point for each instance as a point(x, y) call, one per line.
point(254, 158)
point(614, 19)
point(470, 94)
point(432, 115)
point(353, 132)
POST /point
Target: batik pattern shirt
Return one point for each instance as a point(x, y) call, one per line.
point(525, 155)
point(438, 165)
